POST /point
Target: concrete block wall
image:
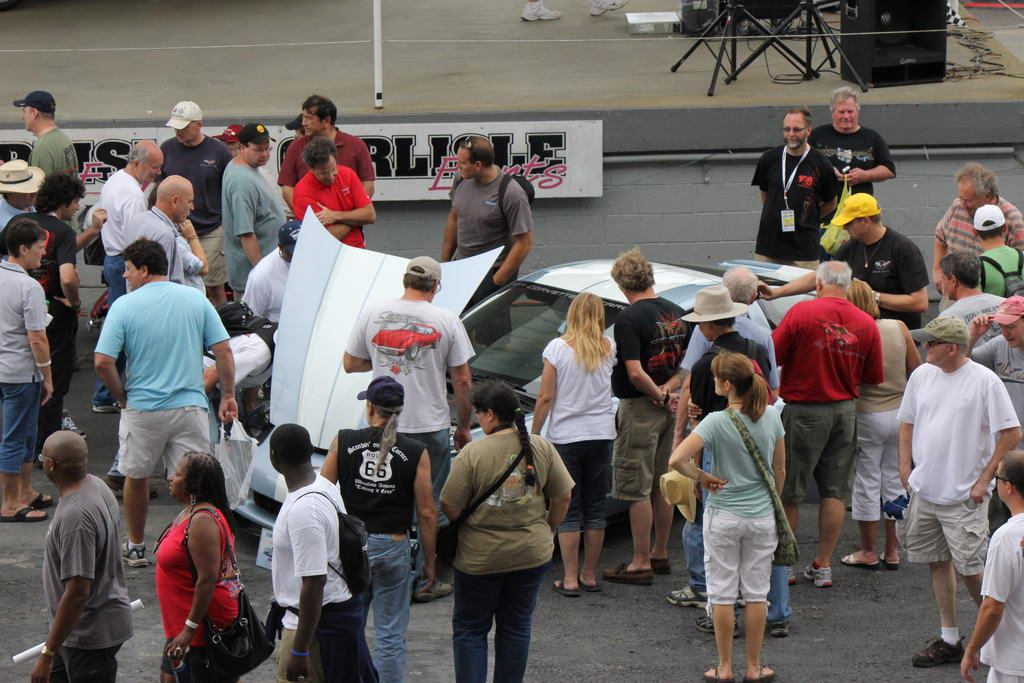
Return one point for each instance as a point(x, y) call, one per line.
point(685, 212)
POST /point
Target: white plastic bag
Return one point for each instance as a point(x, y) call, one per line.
point(236, 451)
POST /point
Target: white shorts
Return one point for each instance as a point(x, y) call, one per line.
point(252, 360)
point(996, 677)
point(877, 470)
point(738, 555)
point(146, 436)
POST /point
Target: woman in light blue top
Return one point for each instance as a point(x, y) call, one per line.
point(739, 524)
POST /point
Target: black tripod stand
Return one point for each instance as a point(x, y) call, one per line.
point(816, 28)
point(727, 21)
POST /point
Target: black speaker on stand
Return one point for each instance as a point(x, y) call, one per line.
point(908, 45)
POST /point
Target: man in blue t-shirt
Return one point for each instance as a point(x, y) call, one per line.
point(161, 328)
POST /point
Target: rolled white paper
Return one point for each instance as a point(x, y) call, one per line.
point(33, 652)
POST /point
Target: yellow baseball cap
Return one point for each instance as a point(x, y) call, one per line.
point(858, 205)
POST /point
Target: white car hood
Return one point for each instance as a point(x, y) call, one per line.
point(329, 285)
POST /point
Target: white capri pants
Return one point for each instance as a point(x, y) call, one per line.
point(877, 472)
point(738, 555)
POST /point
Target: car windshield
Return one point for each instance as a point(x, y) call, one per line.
point(510, 330)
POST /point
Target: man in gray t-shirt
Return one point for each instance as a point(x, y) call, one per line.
point(251, 213)
point(83, 575)
point(416, 343)
point(961, 273)
point(477, 224)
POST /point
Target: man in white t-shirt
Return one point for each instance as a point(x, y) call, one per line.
point(264, 290)
point(951, 409)
point(322, 637)
point(416, 342)
point(999, 632)
point(961, 274)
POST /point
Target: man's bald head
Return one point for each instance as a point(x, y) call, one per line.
point(69, 452)
point(174, 197)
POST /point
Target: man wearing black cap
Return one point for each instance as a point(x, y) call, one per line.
point(251, 214)
point(264, 291)
point(53, 151)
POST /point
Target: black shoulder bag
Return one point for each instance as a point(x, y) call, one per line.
point(448, 537)
point(242, 645)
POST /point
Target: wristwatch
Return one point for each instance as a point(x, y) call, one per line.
point(878, 298)
point(47, 651)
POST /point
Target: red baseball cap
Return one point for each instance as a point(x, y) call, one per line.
point(230, 134)
point(1010, 310)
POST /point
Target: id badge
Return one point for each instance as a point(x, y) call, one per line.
point(788, 220)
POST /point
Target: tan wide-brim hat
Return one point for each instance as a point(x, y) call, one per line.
point(680, 491)
point(714, 303)
point(17, 176)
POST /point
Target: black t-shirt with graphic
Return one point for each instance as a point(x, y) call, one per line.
point(892, 265)
point(653, 332)
point(864, 149)
point(702, 381)
point(382, 496)
point(813, 184)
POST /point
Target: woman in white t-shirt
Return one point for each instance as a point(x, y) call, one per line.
point(575, 400)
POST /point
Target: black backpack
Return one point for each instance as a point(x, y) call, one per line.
point(1013, 282)
point(750, 352)
point(238, 319)
point(352, 539)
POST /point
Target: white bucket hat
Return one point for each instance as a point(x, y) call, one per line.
point(17, 176)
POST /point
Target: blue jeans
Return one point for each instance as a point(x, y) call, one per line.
point(778, 596)
point(21, 418)
point(509, 599)
point(388, 594)
point(589, 464)
point(438, 445)
point(693, 537)
point(113, 273)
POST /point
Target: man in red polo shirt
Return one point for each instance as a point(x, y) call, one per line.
point(335, 193)
point(318, 118)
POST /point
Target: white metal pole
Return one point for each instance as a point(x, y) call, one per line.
point(378, 65)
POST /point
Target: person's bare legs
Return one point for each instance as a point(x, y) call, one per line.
point(755, 615)
point(569, 545)
point(944, 587)
point(136, 506)
point(830, 524)
point(973, 584)
point(593, 542)
point(10, 488)
point(725, 623)
point(868, 540)
point(216, 295)
point(662, 512)
point(792, 514)
point(892, 544)
point(640, 520)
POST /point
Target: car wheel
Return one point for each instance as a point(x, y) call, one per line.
point(8, 4)
point(412, 352)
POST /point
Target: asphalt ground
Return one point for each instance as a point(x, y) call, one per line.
point(865, 628)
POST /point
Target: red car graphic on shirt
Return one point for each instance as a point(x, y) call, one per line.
point(407, 340)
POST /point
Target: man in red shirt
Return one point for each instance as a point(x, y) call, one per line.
point(318, 118)
point(826, 348)
point(335, 193)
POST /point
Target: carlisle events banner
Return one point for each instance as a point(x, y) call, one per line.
point(412, 160)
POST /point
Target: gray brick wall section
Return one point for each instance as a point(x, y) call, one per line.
point(673, 215)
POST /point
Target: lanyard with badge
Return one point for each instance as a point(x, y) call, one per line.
point(787, 214)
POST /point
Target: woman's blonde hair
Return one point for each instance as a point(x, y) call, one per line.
point(585, 331)
point(750, 386)
point(862, 296)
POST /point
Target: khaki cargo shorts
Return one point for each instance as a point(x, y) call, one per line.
point(643, 444)
point(213, 246)
point(930, 532)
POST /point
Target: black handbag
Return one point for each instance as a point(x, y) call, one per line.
point(448, 537)
point(94, 254)
point(242, 645)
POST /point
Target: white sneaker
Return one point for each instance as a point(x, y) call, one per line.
point(533, 11)
point(822, 576)
point(599, 7)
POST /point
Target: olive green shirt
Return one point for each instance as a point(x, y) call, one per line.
point(54, 153)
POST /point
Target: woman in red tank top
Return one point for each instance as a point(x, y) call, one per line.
point(196, 580)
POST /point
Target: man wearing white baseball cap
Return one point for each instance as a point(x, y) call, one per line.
point(201, 160)
point(998, 259)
